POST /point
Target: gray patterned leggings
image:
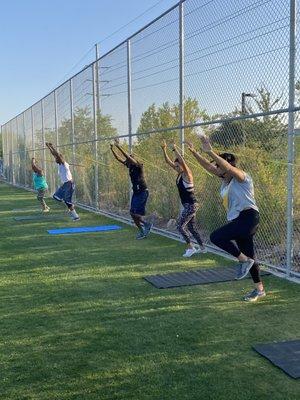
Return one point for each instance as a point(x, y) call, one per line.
point(187, 223)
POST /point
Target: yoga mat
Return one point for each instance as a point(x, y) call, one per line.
point(84, 229)
point(285, 355)
point(194, 277)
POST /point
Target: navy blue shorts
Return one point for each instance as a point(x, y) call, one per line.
point(65, 193)
point(138, 202)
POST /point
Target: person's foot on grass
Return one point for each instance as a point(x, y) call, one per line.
point(147, 228)
point(189, 252)
point(201, 249)
point(254, 295)
point(74, 216)
point(140, 235)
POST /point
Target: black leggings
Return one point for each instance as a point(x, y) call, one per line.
point(241, 230)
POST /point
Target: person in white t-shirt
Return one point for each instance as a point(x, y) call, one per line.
point(237, 192)
point(65, 191)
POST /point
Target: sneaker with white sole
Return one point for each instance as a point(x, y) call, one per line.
point(73, 214)
point(46, 209)
point(147, 228)
point(243, 268)
point(190, 252)
point(140, 235)
point(254, 295)
point(201, 250)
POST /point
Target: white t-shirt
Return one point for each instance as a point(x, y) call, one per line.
point(238, 196)
point(64, 172)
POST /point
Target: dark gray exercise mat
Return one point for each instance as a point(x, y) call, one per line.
point(285, 355)
point(40, 217)
point(194, 277)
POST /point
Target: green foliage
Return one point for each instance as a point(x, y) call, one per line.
point(268, 132)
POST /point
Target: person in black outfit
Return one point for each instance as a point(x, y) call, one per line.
point(187, 217)
point(139, 187)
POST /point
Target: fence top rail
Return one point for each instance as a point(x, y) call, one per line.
point(98, 59)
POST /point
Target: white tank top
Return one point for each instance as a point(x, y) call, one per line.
point(64, 172)
point(238, 196)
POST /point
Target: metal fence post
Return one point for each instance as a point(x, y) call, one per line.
point(32, 132)
point(24, 150)
point(56, 129)
point(181, 74)
point(55, 118)
point(291, 140)
point(95, 118)
point(43, 137)
point(72, 127)
point(97, 78)
point(129, 104)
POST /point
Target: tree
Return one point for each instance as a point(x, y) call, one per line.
point(267, 132)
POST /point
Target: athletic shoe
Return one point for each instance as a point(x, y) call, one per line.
point(244, 268)
point(147, 228)
point(201, 250)
point(140, 235)
point(190, 252)
point(46, 209)
point(73, 214)
point(254, 295)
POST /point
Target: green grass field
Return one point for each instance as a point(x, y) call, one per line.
point(79, 322)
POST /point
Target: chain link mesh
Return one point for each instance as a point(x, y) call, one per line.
point(236, 73)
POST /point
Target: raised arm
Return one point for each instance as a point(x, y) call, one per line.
point(124, 153)
point(55, 153)
point(35, 168)
point(184, 165)
point(167, 158)
point(201, 160)
point(223, 164)
point(116, 155)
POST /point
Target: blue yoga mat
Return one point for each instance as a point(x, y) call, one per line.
point(82, 229)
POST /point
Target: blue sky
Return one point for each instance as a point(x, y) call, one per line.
point(229, 49)
point(41, 40)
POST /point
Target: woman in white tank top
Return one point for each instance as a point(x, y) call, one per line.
point(242, 213)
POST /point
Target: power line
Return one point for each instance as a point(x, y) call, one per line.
point(130, 22)
point(101, 41)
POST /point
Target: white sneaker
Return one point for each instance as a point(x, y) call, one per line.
point(201, 250)
point(189, 252)
point(74, 215)
point(47, 209)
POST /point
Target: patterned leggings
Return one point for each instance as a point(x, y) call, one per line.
point(187, 223)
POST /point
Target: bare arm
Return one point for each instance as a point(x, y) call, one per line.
point(202, 161)
point(55, 153)
point(223, 164)
point(184, 165)
point(116, 155)
point(124, 153)
point(167, 158)
point(35, 168)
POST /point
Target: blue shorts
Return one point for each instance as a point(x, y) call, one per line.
point(65, 193)
point(138, 202)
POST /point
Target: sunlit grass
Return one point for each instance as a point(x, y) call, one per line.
point(79, 322)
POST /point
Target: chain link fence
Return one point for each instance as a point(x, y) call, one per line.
point(227, 69)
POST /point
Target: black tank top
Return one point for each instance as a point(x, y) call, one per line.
point(186, 191)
